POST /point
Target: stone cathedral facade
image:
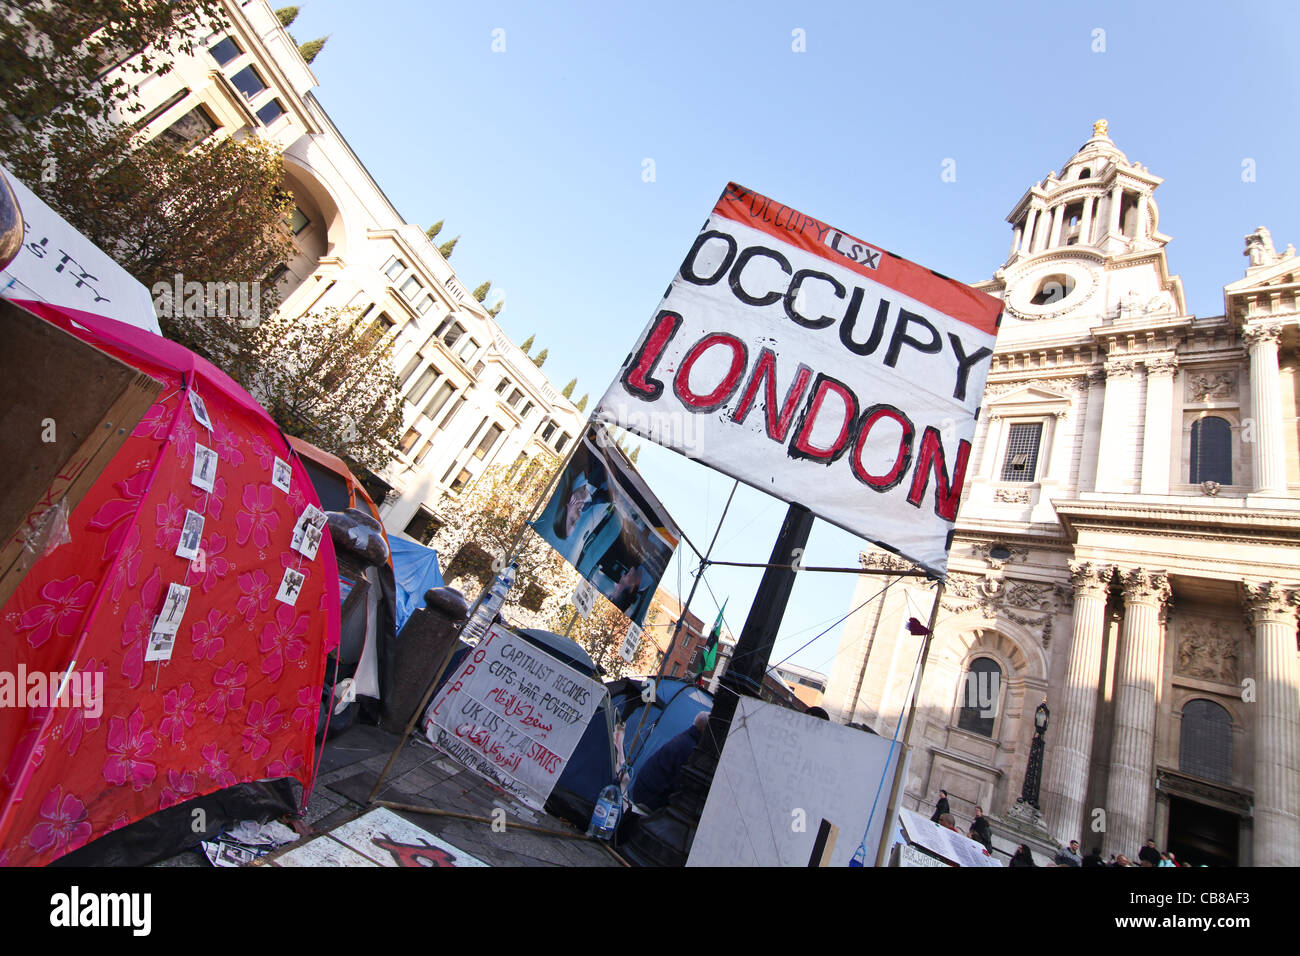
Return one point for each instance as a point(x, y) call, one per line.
point(1128, 548)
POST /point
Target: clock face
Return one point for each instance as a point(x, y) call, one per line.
point(1051, 289)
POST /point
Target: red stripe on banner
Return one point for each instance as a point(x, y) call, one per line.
point(787, 225)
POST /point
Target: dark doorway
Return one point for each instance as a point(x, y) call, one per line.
point(1202, 835)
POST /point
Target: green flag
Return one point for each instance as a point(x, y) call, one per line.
point(710, 656)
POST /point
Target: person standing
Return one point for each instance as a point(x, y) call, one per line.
point(941, 807)
point(979, 830)
point(1149, 855)
point(1023, 857)
point(1094, 858)
point(1069, 855)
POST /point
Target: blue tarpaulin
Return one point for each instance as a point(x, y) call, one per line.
point(415, 569)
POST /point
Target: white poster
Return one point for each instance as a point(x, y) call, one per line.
point(514, 714)
point(631, 641)
point(781, 774)
point(819, 369)
point(58, 265)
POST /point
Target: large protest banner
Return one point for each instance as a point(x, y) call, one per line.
point(514, 714)
point(604, 520)
point(818, 368)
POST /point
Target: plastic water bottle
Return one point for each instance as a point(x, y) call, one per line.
point(604, 819)
point(490, 605)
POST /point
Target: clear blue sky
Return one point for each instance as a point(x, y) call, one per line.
point(534, 156)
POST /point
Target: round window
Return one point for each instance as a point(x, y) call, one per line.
point(1053, 288)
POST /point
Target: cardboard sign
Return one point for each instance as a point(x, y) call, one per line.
point(819, 369)
point(513, 714)
point(781, 774)
point(942, 842)
point(584, 597)
point(631, 642)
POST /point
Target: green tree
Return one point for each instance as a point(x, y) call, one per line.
point(433, 230)
point(52, 59)
point(286, 16)
point(541, 358)
point(481, 292)
point(448, 246)
point(582, 404)
point(218, 213)
point(324, 378)
point(496, 309)
point(528, 344)
point(567, 391)
point(635, 452)
point(312, 48)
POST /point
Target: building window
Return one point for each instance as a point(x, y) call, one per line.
point(979, 695)
point(443, 326)
point(502, 386)
point(425, 304)
point(1205, 748)
point(528, 407)
point(469, 349)
point(410, 368)
point(299, 221)
point(194, 127)
point(439, 399)
point(424, 527)
point(411, 288)
point(454, 334)
point(1053, 288)
point(548, 431)
point(563, 440)
point(462, 479)
point(225, 50)
point(1211, 450)
point(249, 82)
point(1021, 460)
point(270, 112)
point(409, 440)
point(515, 398)
point(479, 366)
point(455, 409)
point(488, 441)
point(394, 267)
point(428, 447)
point(421, 386)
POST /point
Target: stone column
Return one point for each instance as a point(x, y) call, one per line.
point(1054, 237)
point(1130, 792)
point(1266, 406)
point(1085, 221)
point(1115, 452)
point(1016, 235)
point(1069, 764)
point(1031, 220)
point(1116, 196)
point(992, 438)
point(1272, 611)
point(1159, 421)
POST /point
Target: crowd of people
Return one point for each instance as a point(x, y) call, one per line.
point(1068, 855)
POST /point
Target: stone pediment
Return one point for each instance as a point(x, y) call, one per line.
point(1028, 400)
point(1279, 273)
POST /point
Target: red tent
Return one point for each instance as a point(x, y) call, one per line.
point(236, 696)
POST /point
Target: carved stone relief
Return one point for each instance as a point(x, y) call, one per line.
point(1206, 649)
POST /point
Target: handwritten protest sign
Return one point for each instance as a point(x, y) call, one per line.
point(514, 714)
point(818, 368)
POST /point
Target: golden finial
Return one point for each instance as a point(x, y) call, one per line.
point(1099, 128)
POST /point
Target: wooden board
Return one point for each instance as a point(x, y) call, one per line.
point(52, 383)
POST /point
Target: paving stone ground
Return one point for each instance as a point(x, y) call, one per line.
point(425, 777)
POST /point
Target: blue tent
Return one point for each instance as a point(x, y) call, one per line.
point(676, 703)
point(415, 569)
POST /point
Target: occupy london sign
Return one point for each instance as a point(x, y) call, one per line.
point(818, 368)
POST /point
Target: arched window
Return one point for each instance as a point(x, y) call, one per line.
point(1211, 451)
point(979, 694)
point(1085, 173)
point(1205, 749)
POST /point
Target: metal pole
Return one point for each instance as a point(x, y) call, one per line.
point(895, 793)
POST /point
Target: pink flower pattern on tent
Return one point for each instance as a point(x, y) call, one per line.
point(211, 715)
point(63, 825)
